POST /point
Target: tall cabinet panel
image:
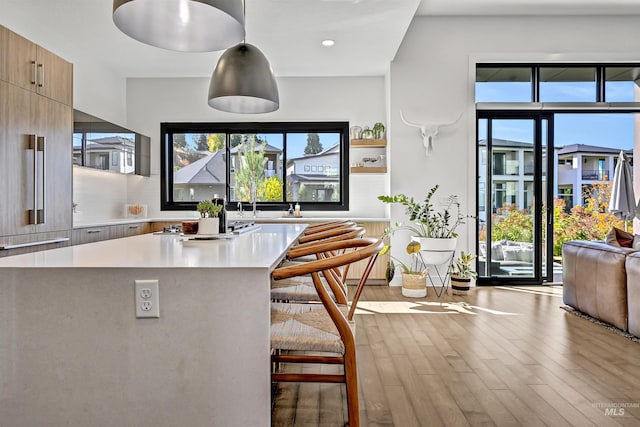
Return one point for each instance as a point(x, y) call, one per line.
point(17, 160)
point(53, 123)
point(36, 126)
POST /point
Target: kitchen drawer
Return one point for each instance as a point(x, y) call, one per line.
point(27, 243)
point(90, 234)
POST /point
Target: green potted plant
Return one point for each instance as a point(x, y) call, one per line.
point(378, 130)
point(209, 222)
point(414, 274)
point(433, 227)
point(462, 274)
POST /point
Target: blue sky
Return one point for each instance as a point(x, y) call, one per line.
point(605, 130)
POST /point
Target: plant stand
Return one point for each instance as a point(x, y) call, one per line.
point(440, 284)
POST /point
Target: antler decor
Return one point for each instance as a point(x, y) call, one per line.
point(429, 130)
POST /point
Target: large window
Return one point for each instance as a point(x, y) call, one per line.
point(273, 164)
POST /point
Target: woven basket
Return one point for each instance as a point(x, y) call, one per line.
point(460, 286)
point(414, 285)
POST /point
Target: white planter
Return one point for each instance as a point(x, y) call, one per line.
point(208, 226)
point(436, 251)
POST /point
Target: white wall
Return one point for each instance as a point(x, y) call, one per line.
point(100, 92)
point(432, 79)
point(358, 100)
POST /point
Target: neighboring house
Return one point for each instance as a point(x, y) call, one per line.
point(512, 175)
point(273, 167)
point(314, 177)
point(111, 153)
point(201, 179)
point(205, 177)
point(579, 166)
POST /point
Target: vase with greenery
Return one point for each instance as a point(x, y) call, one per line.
point(378, 130)
point(462, 273)
point(414, 274)
point(209, 222)
point(430, 224)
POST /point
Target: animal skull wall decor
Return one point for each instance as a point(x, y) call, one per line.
point(428, 130)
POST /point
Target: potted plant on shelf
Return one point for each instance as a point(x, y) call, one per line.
point(378, 130)
point(414, 274)
point(209, 222)
point(434, 228)
point(462, 274)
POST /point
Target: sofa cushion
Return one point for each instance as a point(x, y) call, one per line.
point(496, 251)
point(511, 253)
point(636, 242)
point(620, 238)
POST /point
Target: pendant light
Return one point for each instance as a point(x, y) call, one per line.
point(181, 25)
point(243, 82)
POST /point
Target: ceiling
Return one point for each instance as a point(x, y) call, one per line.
point(289, 32)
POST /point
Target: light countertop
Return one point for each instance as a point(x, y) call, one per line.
point(259, 248)
point(232, 217)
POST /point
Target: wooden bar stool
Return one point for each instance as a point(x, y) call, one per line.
point(301, 289)
point(320, 328)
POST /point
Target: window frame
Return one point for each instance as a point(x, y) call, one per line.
point(168, 129)
point(600, 68)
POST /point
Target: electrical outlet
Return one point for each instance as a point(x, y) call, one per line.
point(147, 298)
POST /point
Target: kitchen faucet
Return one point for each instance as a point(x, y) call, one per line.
point(240, 209)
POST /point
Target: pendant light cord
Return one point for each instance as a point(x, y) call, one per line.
point(244, 17)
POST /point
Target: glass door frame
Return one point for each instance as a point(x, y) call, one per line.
point(537, 117)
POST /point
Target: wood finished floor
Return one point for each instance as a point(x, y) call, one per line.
point(500, 356)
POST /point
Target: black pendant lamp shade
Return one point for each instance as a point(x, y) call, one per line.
point(243, 82)
point(182, 25)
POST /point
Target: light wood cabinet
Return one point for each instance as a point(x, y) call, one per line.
point(80, 236)
point(27, 243)
point(378, 273)
point(34, 68)
point(106, 232)
point(36, 125)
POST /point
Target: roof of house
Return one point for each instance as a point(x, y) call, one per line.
point(496, 142)
point(312, 178)
point(583, 148)
point(208, 170)
point(111, 141)
point(334, 149)
point(268, 148)
point(567, 149)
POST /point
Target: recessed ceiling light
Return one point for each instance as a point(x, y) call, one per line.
point(328, 42)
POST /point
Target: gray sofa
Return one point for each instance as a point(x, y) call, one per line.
point(632, 266)
point(603, 281)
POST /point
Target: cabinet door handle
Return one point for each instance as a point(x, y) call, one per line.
point(41, 75)
point(93, 231)
point(37, 143)
point(33, 145)
point(42, 145)
point(34, 72)
point(133, 226)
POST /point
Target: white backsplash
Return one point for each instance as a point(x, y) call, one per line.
point(99, 195)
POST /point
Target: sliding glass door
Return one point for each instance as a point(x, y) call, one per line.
point(515, 197)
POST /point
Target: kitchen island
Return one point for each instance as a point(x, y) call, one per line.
point(72, 351)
